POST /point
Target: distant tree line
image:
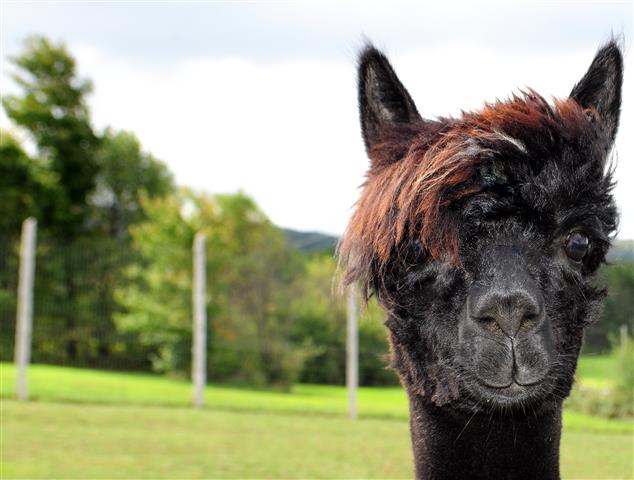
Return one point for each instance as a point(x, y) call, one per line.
point(113, 283)
point(114, 264)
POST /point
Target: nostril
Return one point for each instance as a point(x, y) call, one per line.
point(530, 320)
point(489, 323)
point(507, 313)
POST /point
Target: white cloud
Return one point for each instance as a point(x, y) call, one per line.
point(286, 133)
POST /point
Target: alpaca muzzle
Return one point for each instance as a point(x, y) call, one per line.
point(505, 333)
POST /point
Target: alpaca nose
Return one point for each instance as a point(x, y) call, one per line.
point(507, 311)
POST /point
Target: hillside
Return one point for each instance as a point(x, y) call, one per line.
point(310, 242)
point(621, 250)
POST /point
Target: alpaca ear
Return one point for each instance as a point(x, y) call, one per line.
point(600, 88)
point(383, 100)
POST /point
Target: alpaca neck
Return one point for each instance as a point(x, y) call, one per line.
point(451, 445)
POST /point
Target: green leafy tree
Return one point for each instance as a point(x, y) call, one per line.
point(320, 326)
point(156, 299)
point(249, 269)
point(17, 188)
point(321, 322)
point(125, 174)
point(260, 268)
point(618, 309)
point(619, 306)
point(24, 186)
point(52, 109)
point(86, 192)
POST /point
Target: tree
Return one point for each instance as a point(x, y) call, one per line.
point(320, 328)
point(125, 175)
point(618, 309)
point(249, 269)
point(20, 187)
point(52, 108)
point(88, 192)
point(156, 298)
point(259, 269)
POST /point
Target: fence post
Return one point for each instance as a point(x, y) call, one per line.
point(623, 335)
point(352, 363)
point(199, 344)
point(24, 316)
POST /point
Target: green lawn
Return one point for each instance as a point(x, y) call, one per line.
point(50, 440)
point(92, 424)
point(63, 384)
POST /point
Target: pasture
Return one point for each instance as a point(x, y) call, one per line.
point(95, 424)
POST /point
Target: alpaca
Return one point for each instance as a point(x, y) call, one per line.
point(480, 237)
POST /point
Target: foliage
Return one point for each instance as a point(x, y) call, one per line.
point(8, 295)
point(19, 188)
point(249, 269)
point(611, 399)
point(125, 174)
point(25, 186)
point(156, 297)
point(321, 326)
point(85, 191)
point(254, 274)
point(624, 390)
point(53, 110)
point(619, 307)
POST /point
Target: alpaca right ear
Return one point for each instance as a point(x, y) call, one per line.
point(600, 87)
point(383, 100)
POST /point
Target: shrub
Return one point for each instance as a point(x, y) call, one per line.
point(614, 402)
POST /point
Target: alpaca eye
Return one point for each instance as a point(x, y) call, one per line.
point(577, 246)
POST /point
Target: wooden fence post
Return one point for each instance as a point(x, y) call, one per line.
point(623, 335)
point(24, 316)
point(352, 363)
point(199, 344)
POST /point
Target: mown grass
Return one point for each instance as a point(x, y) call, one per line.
point(50, 440)
point(96, 424)
point(63, 384)
point(75, 385)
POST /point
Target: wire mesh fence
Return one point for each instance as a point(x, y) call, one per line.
point(9, 263)
point(74, 306)
point(102, 304)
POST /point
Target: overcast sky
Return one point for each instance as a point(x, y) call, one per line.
point(260, 96)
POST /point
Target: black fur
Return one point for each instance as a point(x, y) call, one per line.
point(530, 189)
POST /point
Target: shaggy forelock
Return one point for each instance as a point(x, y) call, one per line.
point(422, 173)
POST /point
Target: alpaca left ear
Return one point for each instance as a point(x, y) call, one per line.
point(600, 88)
point(383, 100)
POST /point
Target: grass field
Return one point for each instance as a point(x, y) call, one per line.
point(89, 424)
point(74, 385)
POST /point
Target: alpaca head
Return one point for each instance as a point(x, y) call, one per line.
point(480, 236)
